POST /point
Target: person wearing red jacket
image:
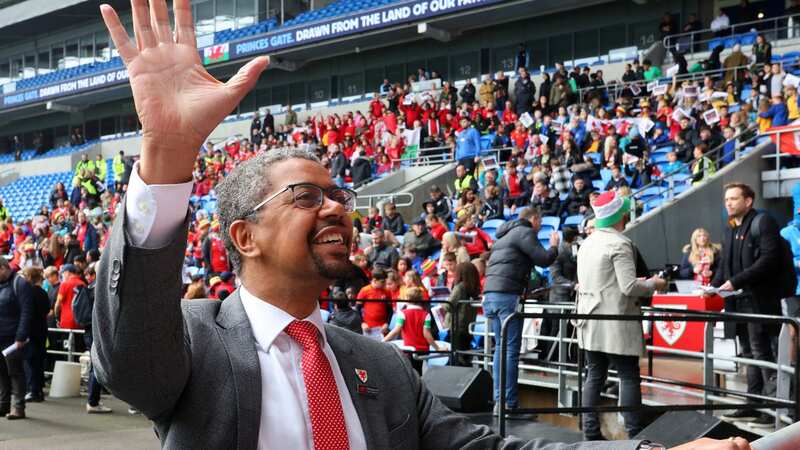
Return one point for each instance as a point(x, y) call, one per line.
point(376, 107)
point(475, 240)
point(214, 254)
point(509, 116)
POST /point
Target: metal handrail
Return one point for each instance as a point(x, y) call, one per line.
point(691, 34)
point(716, 152)
point(618, 85)
point(685, 316)
point(778, 154)
point(442, 157)
point(70, 353)
point(377, 199)
point(691, 76)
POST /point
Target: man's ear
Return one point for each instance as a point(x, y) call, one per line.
point(243, 238)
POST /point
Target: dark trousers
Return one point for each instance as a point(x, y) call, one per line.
point(35, 357)
point(95, 388)
point(469, 164)
point(12, 378)
point(755, 340)
point(417, 363)
point(629, 392)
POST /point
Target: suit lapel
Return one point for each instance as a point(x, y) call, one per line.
point(366, 407)
point(237, 337)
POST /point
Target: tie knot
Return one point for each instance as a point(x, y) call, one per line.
point(304, 332)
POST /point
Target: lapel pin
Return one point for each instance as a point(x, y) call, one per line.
point(362, 375)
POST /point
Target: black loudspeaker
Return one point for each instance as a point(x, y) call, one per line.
point(462, 389)
point(679, 427)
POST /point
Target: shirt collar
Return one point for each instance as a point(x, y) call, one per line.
point(269, 321)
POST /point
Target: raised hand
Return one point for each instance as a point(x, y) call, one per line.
point(178, 102)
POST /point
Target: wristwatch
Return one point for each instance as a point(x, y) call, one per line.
point(647, 445)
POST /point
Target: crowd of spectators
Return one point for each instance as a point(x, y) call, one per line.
point(546, 147)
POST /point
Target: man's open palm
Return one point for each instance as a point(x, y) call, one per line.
point(178, 102)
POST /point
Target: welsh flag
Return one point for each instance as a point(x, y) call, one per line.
point(789, 136)
point(411, 138)
point(216, 53)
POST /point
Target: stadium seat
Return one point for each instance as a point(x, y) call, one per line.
point(714, 43)
point(605, 175)
point(573, 221)
point(659, 158)
point(747, 39)
point(552, 223)
point(494, 223)
point(598, 185)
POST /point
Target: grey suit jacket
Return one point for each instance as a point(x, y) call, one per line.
point(192, 368)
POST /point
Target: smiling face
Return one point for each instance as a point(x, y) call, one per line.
point(300, 243)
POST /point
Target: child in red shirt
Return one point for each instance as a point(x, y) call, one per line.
point(376, 315)
point(415, 324)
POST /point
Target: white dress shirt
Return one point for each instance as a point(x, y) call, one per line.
point(154, 212)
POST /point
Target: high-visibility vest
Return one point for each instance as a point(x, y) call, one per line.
point(119, 168)
point(89, 187)
point(101, 169)
point(462, 185)
point(83, 165)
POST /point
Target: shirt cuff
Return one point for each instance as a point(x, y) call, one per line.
point(154, 212)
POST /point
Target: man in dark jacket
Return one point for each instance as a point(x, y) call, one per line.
point(547, 202)
point(577, 201)
point(268, 126)
point(441, 203)
point(255, 130)
point(381, 255)
point(514, 255)
point(36, 349)
point(392, 220)
point(751, 263)
point(420, 240)
point(524, 92)
point(361, 170)
point(344, 315)
point(339, 164)
point(16, 309)
point(564, 271)
point(467, 92)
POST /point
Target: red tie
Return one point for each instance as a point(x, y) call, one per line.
point(324, 404)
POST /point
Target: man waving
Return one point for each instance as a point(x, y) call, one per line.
point(260, 370)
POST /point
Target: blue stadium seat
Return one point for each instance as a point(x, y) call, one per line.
point(494, 223)
point(747, 39)
point(598, 185)
point(551, 223)
point(714, 43)
point(573, 221)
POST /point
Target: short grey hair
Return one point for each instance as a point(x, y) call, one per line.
point(246, 186)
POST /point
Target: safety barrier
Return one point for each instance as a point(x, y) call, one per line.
point(710, 392)
point(69, 352)
point(742, 33)
point(677, 176)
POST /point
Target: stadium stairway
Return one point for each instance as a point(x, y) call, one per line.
point(410, 180)
point(662, 233)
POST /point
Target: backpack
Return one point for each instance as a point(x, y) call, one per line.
point(785, 279)
point(82, 305)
